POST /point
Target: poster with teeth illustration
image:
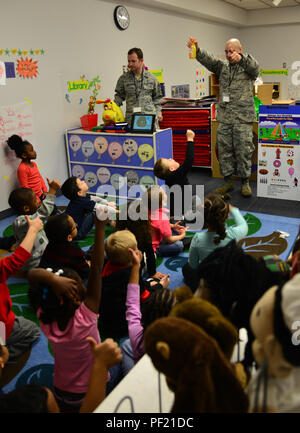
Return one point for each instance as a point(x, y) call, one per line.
point(279, 152)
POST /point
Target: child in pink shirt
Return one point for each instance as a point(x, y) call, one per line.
point(68, 323)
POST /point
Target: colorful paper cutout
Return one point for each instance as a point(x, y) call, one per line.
point(115, 150)
point(87, 149)
point(91, 179)
point(75, 143)
point(27, 68)
point(130, 148)
point(132, 178)
point(103, 175)
point(146, 152)
point(78, 171)
point(101, 145)
point(10, 70)
point(117, 181)
point(2, 74)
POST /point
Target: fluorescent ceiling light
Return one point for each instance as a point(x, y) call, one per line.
point(276, 2)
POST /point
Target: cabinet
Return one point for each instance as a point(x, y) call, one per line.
point(116, 164)
point(196, 118)
point(267, 92)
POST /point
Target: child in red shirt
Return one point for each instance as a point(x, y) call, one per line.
point(20, 332)
point(28, 172)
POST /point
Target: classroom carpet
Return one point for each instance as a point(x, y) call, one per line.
point(267, 234)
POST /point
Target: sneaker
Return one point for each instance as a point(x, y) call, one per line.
point(246, 189)
point(226, 187)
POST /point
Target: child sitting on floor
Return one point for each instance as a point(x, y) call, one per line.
point(28, 172)
point(81, 207)
point(174, 173)
point(131, 218)
point(20, 333)
point(24, 202)
point(68, 322)
point(115, 277)
point(140, 316)
point(164, 240)
point(216, 211)
point(62, 250)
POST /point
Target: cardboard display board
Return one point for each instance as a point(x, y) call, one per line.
point(278, 171)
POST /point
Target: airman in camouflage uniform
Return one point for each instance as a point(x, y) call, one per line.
point(138, 88)
point(236, 111)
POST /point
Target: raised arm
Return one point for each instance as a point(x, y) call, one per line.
point(240, 229)
point(133, 312)
point(61, 286)
point(206, 59)
point(94, 285)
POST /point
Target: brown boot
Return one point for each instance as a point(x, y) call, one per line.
point(246, 189)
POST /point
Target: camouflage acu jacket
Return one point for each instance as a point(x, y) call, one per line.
point(236, 81)
point(144, 93)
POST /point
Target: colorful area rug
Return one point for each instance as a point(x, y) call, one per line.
point(267, 234)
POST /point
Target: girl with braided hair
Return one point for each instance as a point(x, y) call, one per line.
point(214, 234)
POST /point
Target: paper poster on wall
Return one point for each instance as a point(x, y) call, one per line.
point(10, 70)
point(202, 83)
point(27, 68)
point(2, 74)
point(278, 156)
point(158, 73)
point(180, 91)
point(15, 119)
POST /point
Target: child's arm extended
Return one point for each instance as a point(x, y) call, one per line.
point(61, 286)
point(240, 229)
point(47, 205)
point(190, 152)
point(94, 285)
point(133, 312)
point(13, 263)
point(181, 233)
point(105, 355)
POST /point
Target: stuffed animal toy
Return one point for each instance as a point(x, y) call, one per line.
point(274, 323)
point(211, 320)
point(112, 113)
point(195, 367)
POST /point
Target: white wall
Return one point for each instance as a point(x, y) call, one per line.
point(79, 37)
point(273, 46)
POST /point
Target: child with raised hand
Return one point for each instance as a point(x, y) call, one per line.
point(82, 206)
point(25, 202)
point(140, 316)
point(67, 325)
point(131, 218)
point(20, 332)
point(174, 173)
point(216, 211)
point(28, 172)
point(62, 250)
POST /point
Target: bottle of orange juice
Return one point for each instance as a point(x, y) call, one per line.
point(192, 53)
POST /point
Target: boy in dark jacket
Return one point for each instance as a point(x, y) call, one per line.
point(115, 278)
point(174, 173)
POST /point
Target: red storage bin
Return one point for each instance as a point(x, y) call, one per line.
point(197, 119)
point(88, 121)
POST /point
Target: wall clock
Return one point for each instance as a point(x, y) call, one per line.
point(121, 17)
